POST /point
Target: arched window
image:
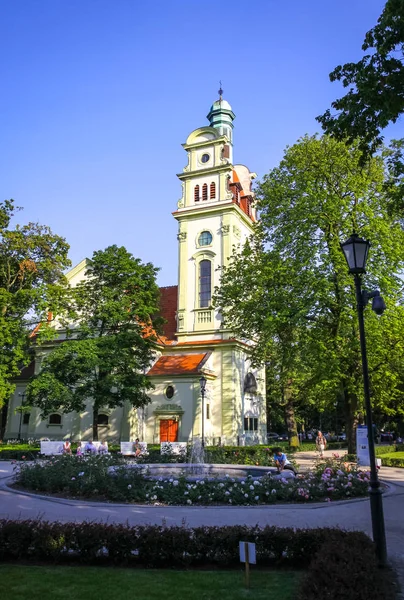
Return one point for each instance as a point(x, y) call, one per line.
point(212, 190)
point(196, 193)
point(205, 283)
point(205, 191)
point(55, 419)
point(205, 238)
point(250, 384)
point(102, 419)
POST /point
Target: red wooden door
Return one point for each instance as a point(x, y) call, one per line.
point(168, 430)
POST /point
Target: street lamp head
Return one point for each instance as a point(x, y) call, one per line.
point(202, 383)
point(356, 250)
point(378, 305)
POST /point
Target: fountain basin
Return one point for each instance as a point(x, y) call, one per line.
point(194, 471)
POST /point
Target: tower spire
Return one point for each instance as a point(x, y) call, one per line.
point(220, 91)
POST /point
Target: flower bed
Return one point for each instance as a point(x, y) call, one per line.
point(91, 477)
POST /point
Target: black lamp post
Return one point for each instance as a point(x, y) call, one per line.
point(356, 251)
point(202, 383)
point(22, 396)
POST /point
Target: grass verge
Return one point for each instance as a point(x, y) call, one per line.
point(92, 583)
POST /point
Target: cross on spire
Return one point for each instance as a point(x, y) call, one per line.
point(220, 91)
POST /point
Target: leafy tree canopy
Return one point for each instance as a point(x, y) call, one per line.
point(32, 285)
point(110, 339)
point(290, 289)
point(375, 84)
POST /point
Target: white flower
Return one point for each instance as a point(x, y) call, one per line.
point(242, 482)
point(171, 480)
point(230, 501)
point(175, 483)
point(227, 475)
point(81, 474)
point(73, 479)
point(256, 482)
point(251, 487)
point(245, 495)
point(257, 497)
point(227, 493)
point(129, 487)
point(186, 493)
point(267, 493)
point(189, 501)
point(273, 491)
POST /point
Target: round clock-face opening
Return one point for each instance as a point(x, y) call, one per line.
point(205, 158)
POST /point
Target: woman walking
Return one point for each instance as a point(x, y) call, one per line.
point(321, 443)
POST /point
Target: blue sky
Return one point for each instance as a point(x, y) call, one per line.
point(97, 97)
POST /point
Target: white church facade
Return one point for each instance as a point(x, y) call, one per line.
point(215, 216)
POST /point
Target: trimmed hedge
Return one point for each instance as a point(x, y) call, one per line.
point(165, 547)
point(389, 461)
point(346, 572)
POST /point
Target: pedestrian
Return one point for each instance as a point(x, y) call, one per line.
point(67, 449)
point(321, 443)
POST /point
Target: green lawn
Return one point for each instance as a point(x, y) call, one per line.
point(92, 583)
point(393, 455)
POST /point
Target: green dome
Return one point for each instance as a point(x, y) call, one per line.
point(220, 105)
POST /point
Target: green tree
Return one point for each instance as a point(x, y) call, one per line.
point(290, 289)
point(109, 345)
point(32, 286)
point(375, 84)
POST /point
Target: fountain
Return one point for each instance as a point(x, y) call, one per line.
point(197, 457)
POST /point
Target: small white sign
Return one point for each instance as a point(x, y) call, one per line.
point(251, 552)
point(362, 446)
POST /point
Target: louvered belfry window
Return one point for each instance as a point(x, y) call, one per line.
point(205, 191)
point(212, 190)
point(196, 193)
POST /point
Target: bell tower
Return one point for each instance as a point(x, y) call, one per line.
point(215, 215)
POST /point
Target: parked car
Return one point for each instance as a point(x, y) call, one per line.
point(386, 436)
point(271, 436)
point(283, 437)
point(341, 437)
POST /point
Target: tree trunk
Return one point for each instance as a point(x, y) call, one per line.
point(351, 420)
point(290, 420)
point(3, 419)
point(95, 424)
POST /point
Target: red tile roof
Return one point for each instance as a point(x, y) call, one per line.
point(179, 364)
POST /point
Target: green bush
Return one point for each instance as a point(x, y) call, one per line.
point(390, 461)
point(380, 450)
point(165, 547)
point(346, 571)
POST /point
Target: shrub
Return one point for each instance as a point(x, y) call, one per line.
point(164, 547)
point(391, 461)
point(346, 571)
point(380, 450)
point(108, 477)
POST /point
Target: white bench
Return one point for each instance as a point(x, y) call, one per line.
point(177, 448)
point(51, 448)
point(128, 448)
point(97, 446)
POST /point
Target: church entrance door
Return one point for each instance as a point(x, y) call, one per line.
point(168, 430)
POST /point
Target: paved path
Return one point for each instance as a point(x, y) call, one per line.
point(352, 514)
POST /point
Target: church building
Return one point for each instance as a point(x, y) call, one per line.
point(215, 216)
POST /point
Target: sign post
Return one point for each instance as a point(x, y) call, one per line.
point(247, 556)
point(362, 445)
